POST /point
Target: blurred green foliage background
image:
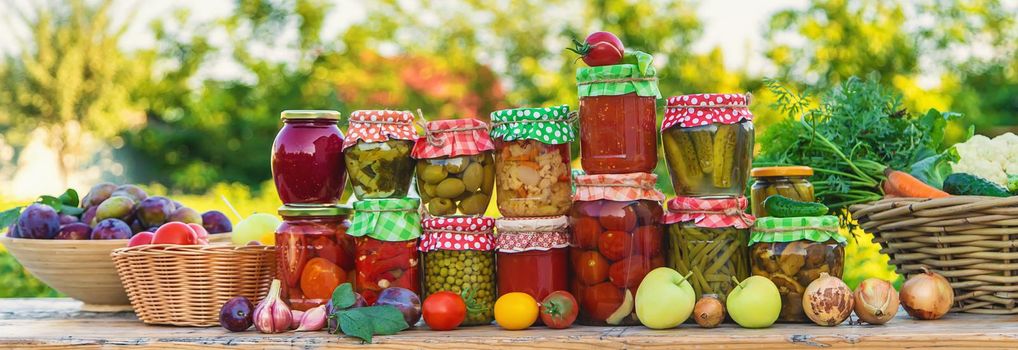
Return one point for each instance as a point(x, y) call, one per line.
point(198, 137)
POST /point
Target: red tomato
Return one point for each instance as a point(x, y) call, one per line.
point(175, 233)
point(325, 248)
point(628, 272)
point(618, 216)
point(647, 240)
point(615, 245)
point(586, 231)
point(141, 238)
point(601, 300)
point(648, 213)
point(444, 311)
point(559, 310)
point(591, 209)
point(320, 278)
point(591, 267)
point(600, 49)
point(199, 231)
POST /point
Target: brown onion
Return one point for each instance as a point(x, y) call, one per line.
point(827, 301)
point(708, 311)
point(876, 301)
point(927, 296)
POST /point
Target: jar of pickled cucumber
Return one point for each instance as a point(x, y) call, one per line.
point(708, 143)
point(455, 168)
point(387, 232)
point(532, 160)
point(459, 257)
point(789, 181)
point(314, 254)
point(377, 153)
point(792, 252)
point(708, 239)
point(532, 255)
point(616, 222)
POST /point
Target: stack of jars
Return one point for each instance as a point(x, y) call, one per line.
point(616, 212)
point(708, 144)
point(532, 166)
point(456, 178)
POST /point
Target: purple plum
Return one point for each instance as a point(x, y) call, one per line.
point(185, 215)
point(67, 219)
point(88, 217)
point(133, 192)
point(403, 299)
point(236, 315)
point(75, 230)
point(38, 221)
point(111, 229)
point(333, 325)
point(97, 194)
point(12, 231)
point(215, 221)
point(177, 205)
point(155, 210)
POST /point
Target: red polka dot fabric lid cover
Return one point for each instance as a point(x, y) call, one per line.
point(380, 126)
point(694, 110)
point(457, 233)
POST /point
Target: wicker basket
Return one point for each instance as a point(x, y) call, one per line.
point(186, 285)
point(972, 241)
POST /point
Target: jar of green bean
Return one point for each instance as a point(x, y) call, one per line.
point(708, 239)
point(459, 257)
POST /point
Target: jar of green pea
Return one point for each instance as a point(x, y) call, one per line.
point(459, 257)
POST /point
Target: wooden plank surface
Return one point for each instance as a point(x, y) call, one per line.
point(59, 324)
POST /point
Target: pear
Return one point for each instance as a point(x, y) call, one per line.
point(664, 299)
point(754, 303)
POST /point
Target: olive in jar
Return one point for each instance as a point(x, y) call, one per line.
point(456, 185)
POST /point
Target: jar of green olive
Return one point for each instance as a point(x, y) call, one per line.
point(459, 257)
point(377, 153)
point(789, 181)
point(455, 167)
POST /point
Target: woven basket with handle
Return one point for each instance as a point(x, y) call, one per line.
point(185, 285)
point(972, 241)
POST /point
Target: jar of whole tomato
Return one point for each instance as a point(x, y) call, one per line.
point(708, 143)
point(618, 118)
point(616, 221)
point(455, 169)
point(707, 238)
point(533, 255)
point(459, 257)
point(377, 151)
point(386, 231)
point(789, 181)
point(314, 254)
point(532, 161)
point(307, 158)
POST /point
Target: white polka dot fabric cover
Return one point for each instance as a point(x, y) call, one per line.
point(694, 110)
point(457, 233)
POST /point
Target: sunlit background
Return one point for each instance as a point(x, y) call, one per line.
point(183, 97)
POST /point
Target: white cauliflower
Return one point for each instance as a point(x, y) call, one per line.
point(991, 159)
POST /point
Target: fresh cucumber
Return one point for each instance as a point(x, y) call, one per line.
point(1012, 184)
point(963, 184)
point(784, 207)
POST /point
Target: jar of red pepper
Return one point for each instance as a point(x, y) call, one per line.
point(314, 254)
point(386, 231)
point(533, 255)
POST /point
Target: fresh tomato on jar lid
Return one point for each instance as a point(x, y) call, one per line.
point(591, 267)
point(618, 216)
point(599, 49)
point(444, 311)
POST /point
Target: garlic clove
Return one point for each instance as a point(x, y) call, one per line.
point(313, 319)
point(295, 321)
point(272, 314)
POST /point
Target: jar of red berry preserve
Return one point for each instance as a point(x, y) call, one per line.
point(307, 158)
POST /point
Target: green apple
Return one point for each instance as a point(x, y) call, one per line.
point(664, 299)
point(258, 227)
point(754, 303)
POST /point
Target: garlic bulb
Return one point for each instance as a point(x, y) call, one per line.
point(272, 315)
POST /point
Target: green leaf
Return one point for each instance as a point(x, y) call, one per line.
point(343, 297)
point(641, 59)
point(71, 210)
point(356, 324)
point(9, 216)
point(52, 202)
point(1012, 183)
point(386, 319)
point(933, 170)
point(69, 198)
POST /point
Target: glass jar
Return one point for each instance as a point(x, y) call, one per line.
point(708, 238)
point(378, 153)
point(532, 161)
point(387, 232)
point(792, 252)
point(789, 181)
point(455, 168)
point(459, 257)
point(307, 158)
point(314, 254)
point(533, 255)
point(616, 241)
point(613, 96)
point(708, 144)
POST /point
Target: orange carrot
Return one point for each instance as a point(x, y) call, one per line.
point(902, 184)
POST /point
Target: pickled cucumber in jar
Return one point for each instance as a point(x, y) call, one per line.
point(457, 185)
point(470, 273)
point(712, 159)
point(380, 169)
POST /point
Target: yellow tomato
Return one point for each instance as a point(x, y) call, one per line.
point(515, 311)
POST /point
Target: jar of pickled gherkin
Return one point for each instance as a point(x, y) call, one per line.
point(387, 232)
point(377, 153)
point(708, 239)
point(314, 254)
point(459, 257)
point(455, 169)
point(618, 117)
point(616, 222)
point(708, 142)
point(532, 255)
point(792, 252)
point(789, 181)
point(532, 160)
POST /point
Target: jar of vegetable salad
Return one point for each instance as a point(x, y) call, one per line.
point(455, 169)
point(377, 153)
point(532, 161)
point(618, 115)
point(387, 232)
point(789, 181)
point(459, 257)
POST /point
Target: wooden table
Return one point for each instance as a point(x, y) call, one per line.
point(58, 323)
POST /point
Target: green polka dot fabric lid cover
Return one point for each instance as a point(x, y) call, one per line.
point(550, 125)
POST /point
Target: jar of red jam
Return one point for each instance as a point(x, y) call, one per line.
point(459, 257)
point(307, 158)
point(314, 254)
point(618, 119)
point(617, 240)
point(377, 151)
point(455, 169)
point(532, 159)
point(387, 232)
point(533, 255)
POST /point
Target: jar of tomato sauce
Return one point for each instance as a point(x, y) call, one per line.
point(455, 168)
point(387, 232)
point(533, 255)
point(377, 151)
point(616, 221)
point(314, 254)
point(532, 161)
point(459, 257)
point(618, 118)
point(307, 158)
